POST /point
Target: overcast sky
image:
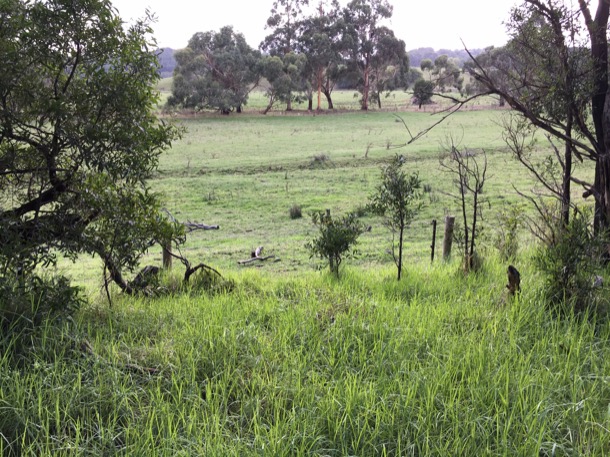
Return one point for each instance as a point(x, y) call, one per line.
point(437, 24)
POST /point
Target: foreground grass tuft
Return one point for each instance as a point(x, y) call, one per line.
point(438, 364)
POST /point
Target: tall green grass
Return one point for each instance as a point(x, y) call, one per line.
point(437, 364)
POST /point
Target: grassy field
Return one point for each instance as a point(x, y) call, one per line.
point(290, 361)
point(244, 173)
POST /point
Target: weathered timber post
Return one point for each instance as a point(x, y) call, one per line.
point(448, 240)
point(167, 255)
point(433, 246)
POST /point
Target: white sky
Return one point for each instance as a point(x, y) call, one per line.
point(420, 23)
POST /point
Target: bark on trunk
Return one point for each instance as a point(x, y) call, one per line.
point(329, 99)
point(400, 243)
point(366, 89)
point(599, 51)
point(567, 175)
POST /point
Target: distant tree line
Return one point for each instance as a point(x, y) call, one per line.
point(307, 54)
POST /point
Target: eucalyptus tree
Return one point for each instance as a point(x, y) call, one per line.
point(398, 199)
point(493, 61)
point(283, 24)
point(217, 70)
point(281, 74)
point(389, 65)
point(446, 73)
point(423, 90)
point(362, 33)
point(319, 39)
point(78, 135)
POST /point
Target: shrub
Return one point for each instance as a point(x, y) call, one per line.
point(336, 239)
point(510, 220)
point(398, 200)
point(362, 210)
point(320, 161)
point(27, 301)
point(569, 265)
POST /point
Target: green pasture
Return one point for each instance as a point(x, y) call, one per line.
point(244, 173)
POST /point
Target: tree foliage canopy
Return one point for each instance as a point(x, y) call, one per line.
point(78, 134)
point(215, 71)
point(370, 47)
point(554, 73)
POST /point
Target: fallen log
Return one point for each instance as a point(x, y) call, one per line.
point(255, 259)
point(255, 256)
point(192, 226)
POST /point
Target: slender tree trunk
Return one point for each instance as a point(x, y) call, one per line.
point(464, 216)
point(602, 185)
point(329, 99)
point(270, 104)
point(400, 244)
point(327, 90)
point(567, 175)
point(475, 209)
point(319, 89)
point(599, 51)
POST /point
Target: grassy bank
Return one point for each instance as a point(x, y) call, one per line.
point(438, 364)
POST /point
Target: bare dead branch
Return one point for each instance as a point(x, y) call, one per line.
point(256, 259)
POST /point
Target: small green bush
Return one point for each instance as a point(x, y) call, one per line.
point(336, 239)
point(506, 240)
point(569, 265)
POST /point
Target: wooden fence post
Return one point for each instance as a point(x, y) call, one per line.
point(448, 240)
point(433, 246)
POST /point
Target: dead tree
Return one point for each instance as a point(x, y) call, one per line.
point(469, 174)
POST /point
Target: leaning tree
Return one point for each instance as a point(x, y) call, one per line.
point(78, 135)
point(555, 75)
